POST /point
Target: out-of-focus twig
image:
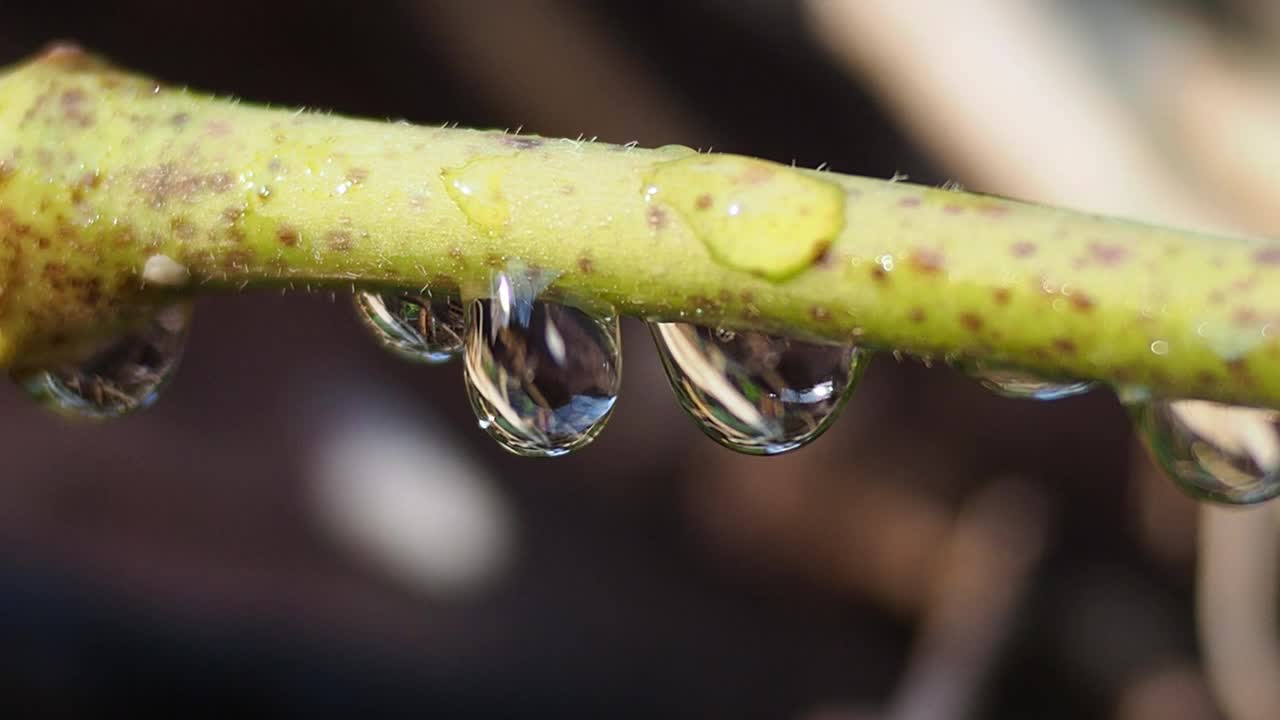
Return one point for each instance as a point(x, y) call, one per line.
point(1239, 551)
point(986, 568)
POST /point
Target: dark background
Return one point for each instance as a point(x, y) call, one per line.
point(188, 559)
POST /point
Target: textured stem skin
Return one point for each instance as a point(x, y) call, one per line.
point(102, 172)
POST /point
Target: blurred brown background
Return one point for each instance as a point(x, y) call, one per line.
point(305, 524)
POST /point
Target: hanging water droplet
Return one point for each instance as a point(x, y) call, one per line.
point(1217, 452)
point(542, 377)
point(421, 326)
point(122, 377)
point(1022, 385)
point(755, 393)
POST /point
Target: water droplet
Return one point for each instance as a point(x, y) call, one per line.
point(542, 377)
point(421, 326)
point(755, 393)
point(121, 377)
point(1217, 452)
point(1022, 385)
point(752, 215)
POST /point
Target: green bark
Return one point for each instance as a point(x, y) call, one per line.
point(117, 193)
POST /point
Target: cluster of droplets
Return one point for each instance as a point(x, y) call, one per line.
point(543, 378)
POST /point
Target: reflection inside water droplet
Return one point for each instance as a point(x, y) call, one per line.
point(756, 393)
point(424, 326)
point(1022, 385)
point(121, 377)
point(542, 377)
point(1216, 452)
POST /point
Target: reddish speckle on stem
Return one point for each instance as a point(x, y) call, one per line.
point(824, 258)
point(952, 209)
point(1022, 249)
point(916, 315)
point(909, 202)
point(756, 174)
point(1245, 316)
point(217, 128)
point(1239, 370)
point(879, 274)
point(725, 296)
point(339, 240)
point(73, 103)
point(585, 265)
point(971, 321)
point(288, 235)
point(657, 218)
point(927, 260)
point(1066, 346)
point(994, 212)
point(1081, 302)
point(703, 202)
point(1267, 256)
point(1001, 296)
point(1109, 255)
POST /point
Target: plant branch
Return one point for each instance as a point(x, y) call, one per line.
point(117, 194)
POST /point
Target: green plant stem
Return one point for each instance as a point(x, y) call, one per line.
point(116, 194)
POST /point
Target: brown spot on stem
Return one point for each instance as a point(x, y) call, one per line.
point(952, 209)
point(917, 315)
point(217, 128)
point(180, 120)
point(236, 259)
point(1001, 296)
point(1245, 316)
point(455, 252)
point(355, 176)
point(585, 265)
point(819, 313)
point(657, 218)
point(182, 227)
point(288, 235)
point(1205, 378)
point(568, 190)
point(725, 297)
point(927, 260)
point(494, 260)
point(824, 258)
point(1022, 249)
point(703, 202)
point(971, 321)
point(1239, 370)
point(747, 297)
point(1066, 346)
point(1217, 297)
point(339, 240)
point(879, 274)
point(166, 182)
point(74, 109)
point(756, 174)
point(909, 202)
point(995, 212)
point(1081, 302)
point(1108, 255)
